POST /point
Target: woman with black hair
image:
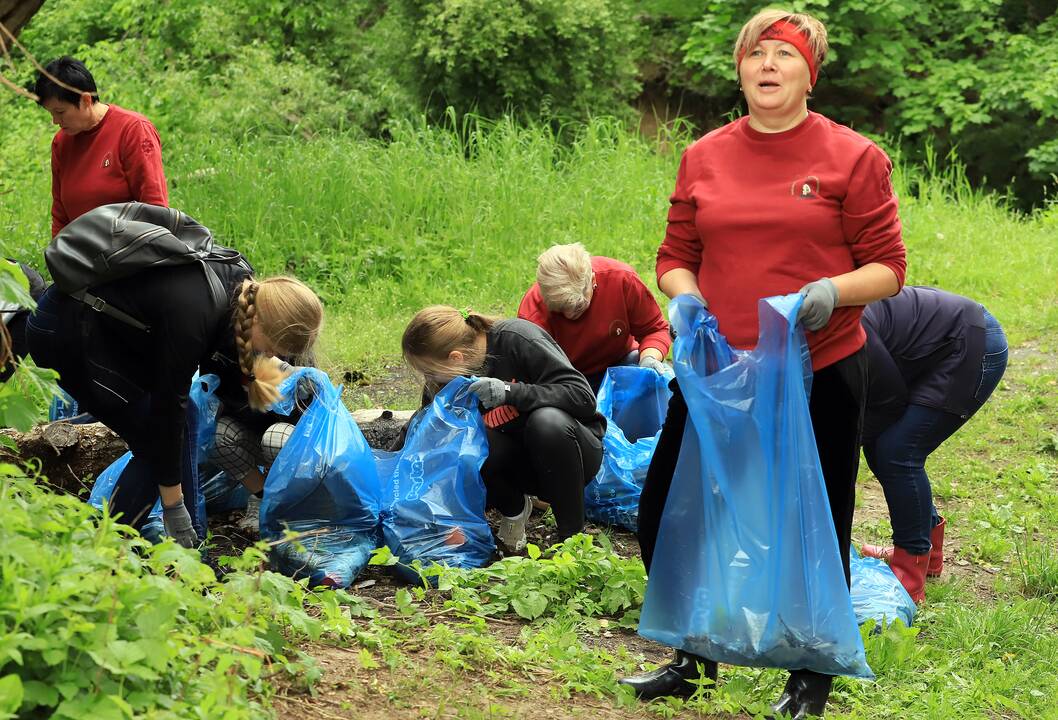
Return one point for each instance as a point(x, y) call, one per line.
point(102, 153)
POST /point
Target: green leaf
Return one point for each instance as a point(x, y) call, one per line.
point(530, 606)
point(533, 551)
point(10, 695)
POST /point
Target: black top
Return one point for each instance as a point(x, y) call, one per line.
point(189, 331)
point(540, 375)
point(924, 347)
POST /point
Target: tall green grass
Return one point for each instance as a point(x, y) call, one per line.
point(458, 215)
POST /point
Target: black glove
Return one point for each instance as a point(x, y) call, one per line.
point(178, 526)
point(820, 299)
point(490, 391)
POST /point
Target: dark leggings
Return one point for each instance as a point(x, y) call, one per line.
point(553, 457)
point(63, 335)
point(839, 393)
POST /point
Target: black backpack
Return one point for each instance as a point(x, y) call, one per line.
point(116, 241)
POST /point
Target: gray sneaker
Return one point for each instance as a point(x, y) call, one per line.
point(251, 520)
point(511, 530)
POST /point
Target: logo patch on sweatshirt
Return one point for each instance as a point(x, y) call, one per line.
point(618, 328)
point(805, 188)
point(108, 160)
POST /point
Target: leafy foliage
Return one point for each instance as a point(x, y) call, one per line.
point(96, 622)
point(542, 58)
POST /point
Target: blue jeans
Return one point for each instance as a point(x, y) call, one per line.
point(898, 456)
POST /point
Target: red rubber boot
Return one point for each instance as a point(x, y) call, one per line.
point(910, 570)
point(936, 552)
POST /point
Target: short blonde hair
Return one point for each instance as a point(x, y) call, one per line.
point(812, 28)
point(564, 275)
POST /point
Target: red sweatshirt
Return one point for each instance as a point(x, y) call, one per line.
point(118, 160)
point(756, 214)
point(622, 317)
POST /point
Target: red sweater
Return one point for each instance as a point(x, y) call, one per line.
point(756, 214)
point(622, 317)
point(118, 160)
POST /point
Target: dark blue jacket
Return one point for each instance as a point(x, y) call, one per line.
point(924, 347)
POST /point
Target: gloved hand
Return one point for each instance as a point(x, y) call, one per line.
point(177, 523)
point(820, 299)
point(490, 391)
point(649, 361)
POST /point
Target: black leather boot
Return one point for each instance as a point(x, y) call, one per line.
point(805, 695)
point(673, 680)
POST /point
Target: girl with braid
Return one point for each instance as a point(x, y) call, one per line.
point(137, 382)
point(248, 439)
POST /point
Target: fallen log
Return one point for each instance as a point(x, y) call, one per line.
point(71, 456)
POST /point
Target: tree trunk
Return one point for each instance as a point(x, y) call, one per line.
point(14, 14)
point(71, 456)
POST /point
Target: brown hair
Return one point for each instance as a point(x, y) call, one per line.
point(436, 331)
point(812, 28)
point(290, 315)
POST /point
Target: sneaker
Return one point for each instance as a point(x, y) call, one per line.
point(511, 530)
point(251, 520)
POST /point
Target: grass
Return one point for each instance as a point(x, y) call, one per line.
point(458, 216)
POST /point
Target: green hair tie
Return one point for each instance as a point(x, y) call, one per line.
point(465, 312)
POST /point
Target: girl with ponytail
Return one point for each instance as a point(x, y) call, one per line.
point(544, 433)
point(137, 382)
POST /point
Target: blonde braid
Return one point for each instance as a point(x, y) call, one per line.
point(245, 310)
point(263, 374)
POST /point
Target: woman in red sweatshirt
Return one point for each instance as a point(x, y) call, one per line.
point(779, 201)
point(598, 311)
point(102, 153)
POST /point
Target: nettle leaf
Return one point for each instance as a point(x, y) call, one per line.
point(38, 693)
point(530, 606)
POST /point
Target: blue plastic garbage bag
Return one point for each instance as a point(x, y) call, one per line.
point(747, 569)
point(323, 485)
point(64, 407)
point(153, 530)
point(223, 493)
point(876, 592)
point(634, 401)
point(201, 421)
point(433, 494)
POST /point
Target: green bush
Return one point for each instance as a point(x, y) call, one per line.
point(96, 622)
point(541, 58)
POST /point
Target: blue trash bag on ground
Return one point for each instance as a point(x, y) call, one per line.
point(433, 497)
point(64, 407)
point(323, 486)
point(202, 421)
point(634, 401)
point(877, 593)
point(747, 569)
point(222, 493)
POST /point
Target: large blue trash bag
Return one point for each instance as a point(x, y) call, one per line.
point(202, 421)
point(876, 592)
point(634, 401)
point(323, 485)
point(432, 491)
point(747, 569)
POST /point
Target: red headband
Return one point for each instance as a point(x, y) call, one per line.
point(786, 31)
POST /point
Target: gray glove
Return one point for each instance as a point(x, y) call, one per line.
point(177, 523)
point(491, 392)
point(649, 361)
point(821, 297)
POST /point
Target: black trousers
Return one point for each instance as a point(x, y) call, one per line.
point(553, 457)
point(107, 378)
point(839, 394)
